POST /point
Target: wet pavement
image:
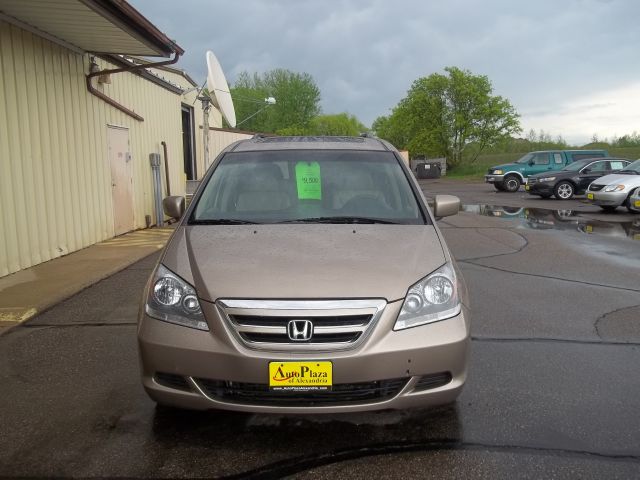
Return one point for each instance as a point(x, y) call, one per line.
point(553, 388)
point(562, 219)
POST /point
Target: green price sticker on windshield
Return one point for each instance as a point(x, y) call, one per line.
point(309, 181)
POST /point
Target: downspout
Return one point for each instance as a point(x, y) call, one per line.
point(166, 166)
point(92, 90)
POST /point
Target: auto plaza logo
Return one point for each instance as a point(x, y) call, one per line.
point(300, 375)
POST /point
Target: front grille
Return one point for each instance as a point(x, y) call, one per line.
point(171, 380)
point(434, 380)
point(330, 329)
point(595, 188)
point(340, 394)
point(334, 324)
point(283, 338)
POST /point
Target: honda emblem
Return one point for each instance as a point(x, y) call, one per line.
point(300, 330)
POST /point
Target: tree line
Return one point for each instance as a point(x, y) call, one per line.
point(296, 111)
point(454, 114)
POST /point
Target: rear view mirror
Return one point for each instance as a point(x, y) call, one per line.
point(173, 206)
point(446, 205)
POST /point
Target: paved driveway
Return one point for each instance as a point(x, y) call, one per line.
point(553, 391)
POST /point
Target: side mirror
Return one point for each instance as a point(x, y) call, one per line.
point(173, 206)
point(586, 170)
point(446, 205)
point(531, 163)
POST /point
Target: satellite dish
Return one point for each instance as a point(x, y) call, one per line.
point(219, 89)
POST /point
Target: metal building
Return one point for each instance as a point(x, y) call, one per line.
point(74, 141)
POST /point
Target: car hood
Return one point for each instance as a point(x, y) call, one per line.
point(627, 180)
point(506, 167)
point(304, 260)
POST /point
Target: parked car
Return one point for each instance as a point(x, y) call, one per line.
point(509, 176)
point(308, 275)
point(574, 179)
point(612, 191)
point(634, 200)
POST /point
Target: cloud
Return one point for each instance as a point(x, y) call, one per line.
point(608, 114)
point(365, 55)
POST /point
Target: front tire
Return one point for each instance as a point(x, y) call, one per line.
point(564, 191)
point(511, 183)
point(627, 203)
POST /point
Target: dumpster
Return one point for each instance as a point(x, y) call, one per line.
point(428, 170)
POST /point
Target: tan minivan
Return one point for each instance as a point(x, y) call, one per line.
point(307, 276)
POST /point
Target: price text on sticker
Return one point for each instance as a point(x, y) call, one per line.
point(309, 181)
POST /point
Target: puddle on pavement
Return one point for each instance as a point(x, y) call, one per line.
point(568, 220)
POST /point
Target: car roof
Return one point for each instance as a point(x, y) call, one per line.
point(598, 159)
point(259, 143)
point(598, 150)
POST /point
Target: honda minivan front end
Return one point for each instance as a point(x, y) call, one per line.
point(307, 276)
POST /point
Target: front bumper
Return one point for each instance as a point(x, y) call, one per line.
point(539, 188)
point(217, 357)
point(493, 178)
point(606, 199)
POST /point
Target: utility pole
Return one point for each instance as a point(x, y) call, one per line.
point(206, 107)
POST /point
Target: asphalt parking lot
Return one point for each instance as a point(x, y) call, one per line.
point(553, 389)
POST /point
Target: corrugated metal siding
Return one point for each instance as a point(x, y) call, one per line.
point(55, 183)
point(219, 140)
point(190, 98)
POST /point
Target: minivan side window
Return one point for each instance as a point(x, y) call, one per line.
point(557, 158)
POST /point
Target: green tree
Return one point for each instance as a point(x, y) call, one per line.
point(297, 100)
point(453, 115)
point(340, 124)
point(391, 128)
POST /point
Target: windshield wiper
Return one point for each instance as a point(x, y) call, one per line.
point(340, 220)
point(221, 221)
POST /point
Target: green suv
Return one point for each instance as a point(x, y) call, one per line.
point(509, 177)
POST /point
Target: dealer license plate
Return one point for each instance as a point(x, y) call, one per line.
point(590, 196)
point(300, 375)
point(636, 204)
point(527, 187)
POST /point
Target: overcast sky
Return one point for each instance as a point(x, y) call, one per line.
point(570, 67)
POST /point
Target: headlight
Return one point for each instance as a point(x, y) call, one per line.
point(498, 172)
point(614, 188)
point(547, 179)
point(432, 299)
point(173, 300)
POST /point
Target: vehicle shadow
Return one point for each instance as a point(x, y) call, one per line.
point(259, 442)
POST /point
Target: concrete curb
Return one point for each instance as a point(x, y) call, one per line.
point(27, 293)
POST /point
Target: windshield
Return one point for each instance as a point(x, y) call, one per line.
point(633, 168)
point(526, 158)
point(307, 186)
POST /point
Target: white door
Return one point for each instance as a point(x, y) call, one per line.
point(121, 179)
